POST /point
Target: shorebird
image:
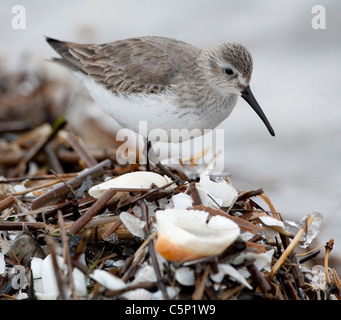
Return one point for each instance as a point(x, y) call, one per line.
point(166, 82)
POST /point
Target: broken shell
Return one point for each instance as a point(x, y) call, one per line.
point(185, 234)
point(226, 269)
point(274, 224)
point(222, 192)
point(138, 294)
point(136, 180)
point(185, 276)
point(108, 280)
point(133, 224)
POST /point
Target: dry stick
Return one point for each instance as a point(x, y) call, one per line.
point(66, 253)
point(88, 159)
point(9, 225)
point(136, 257)
point(57, 193)
point(28, 190)
point(93, 210)
point(63, 181)
point(6, 202)
point(145, 195)
point(195, 194)
point(35, 178)
point(258, 277)
point(110, 230)
point(53, 159)
point(200, 284)
point(291, 246)
point(51, 244)
point(40, 145)
point(329, 247)
point(152, 252)
point(269, 203)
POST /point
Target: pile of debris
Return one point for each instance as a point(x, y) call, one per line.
point(74, 224)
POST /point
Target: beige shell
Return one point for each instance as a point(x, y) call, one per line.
point(138, 179)
point(185, 234)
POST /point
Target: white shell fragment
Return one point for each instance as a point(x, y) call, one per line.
point(185, 276)
point(133, 224)
point(185, 234)
point(226, 269)
point(262, 261)
point(144, 274)
point(2, 264)
point(107, 280)
point(222, 192)
point(138, 294)
point(274, 224)
point(138, 179)
point(182, 201)
point(45, 282)
point(313, 230)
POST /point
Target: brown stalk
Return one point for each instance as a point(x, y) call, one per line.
point(51, 244)
point(88, 159)
point(152, 252)
point(40, 145)
point(200, 284)
point(93, 210)
point(290, 247)
point(329, 248)
point(66, 254)
point(58, 193)
point(6, 202)
point(12, 225)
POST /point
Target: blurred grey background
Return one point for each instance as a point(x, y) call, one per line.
point(296, 80)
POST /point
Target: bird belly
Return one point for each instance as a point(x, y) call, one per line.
point(158, 115)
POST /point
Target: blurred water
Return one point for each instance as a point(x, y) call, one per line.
point(296, 81)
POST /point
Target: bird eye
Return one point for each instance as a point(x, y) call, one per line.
point(229, 71)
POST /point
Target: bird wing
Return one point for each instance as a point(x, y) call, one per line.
point(137, 65)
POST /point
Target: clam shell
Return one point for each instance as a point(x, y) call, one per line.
point(185, 234)
point(138, 179)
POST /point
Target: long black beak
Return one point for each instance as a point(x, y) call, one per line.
point(247, 95)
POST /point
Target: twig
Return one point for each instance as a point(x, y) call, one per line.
point(57, 193)
point(66, 253)
point(257, 276)
point(53, 159)
point(51, 244)
point(200, 284)
point(145, 195)
point(7, 202)
point(93, 210)
point(329, 248)
point(152, 252)
point(194, 193)
point(28, 190)
point(9, 225)
point(40, 145)
point(35, 178)
point(269, 203)
point(110, 230)
point(88, 159)
point(65, 183)
point(290, 247)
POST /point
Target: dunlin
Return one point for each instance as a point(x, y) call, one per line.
point(168, 83)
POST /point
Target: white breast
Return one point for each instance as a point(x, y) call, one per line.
point(159, 112)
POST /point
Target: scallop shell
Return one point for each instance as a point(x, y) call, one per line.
point(185, 234)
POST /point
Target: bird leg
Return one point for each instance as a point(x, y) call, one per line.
point(151, 156)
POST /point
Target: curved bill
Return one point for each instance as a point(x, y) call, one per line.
point(247, 95)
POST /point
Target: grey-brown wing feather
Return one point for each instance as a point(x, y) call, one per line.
point(137, 65)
